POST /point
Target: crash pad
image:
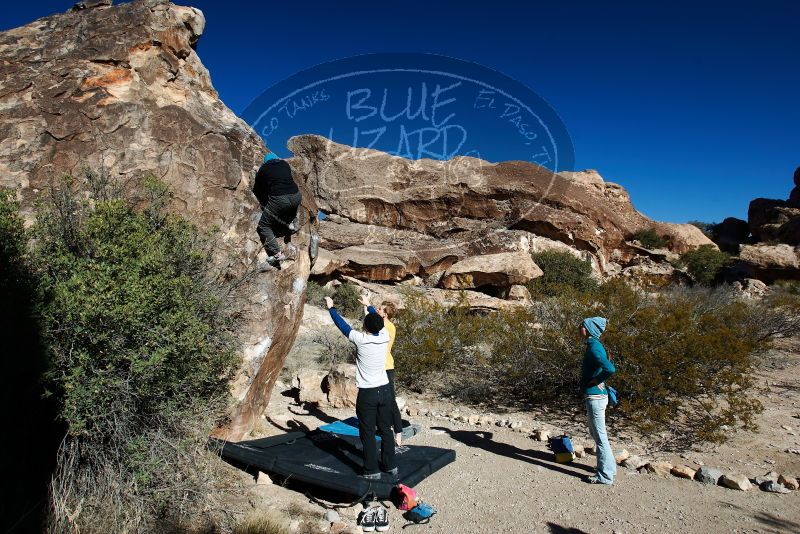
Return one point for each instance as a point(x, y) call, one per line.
point(331, 461)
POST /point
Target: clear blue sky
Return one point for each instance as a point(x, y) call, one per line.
point(693, 106)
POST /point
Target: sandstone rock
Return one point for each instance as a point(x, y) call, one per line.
point(541, 435)
point(735, 481)
point(788, 482)
point(682, 237)
point(662, 469)
point(769, 262)
point(772, 486)
point(520, 294)
point(633, 462)
point(473, 419)
point(683, 471)
point(708, 475)
point(411, 411)
point(464, 195)
point(401, 402)
point(590, 449)
point(121, 89)
point(589, 176)
point(621, 456)
point(332, 516)
point(341, 386)
point(731, 233)
point(751, 288)
point(498, 270)
point(309, 385)
point(767, 477)
point(327, 263)
point(263, 479)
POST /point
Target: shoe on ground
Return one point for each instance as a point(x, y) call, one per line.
point(381, 519)
point(392, 471)
point(367, 519)
point(371, 476)
point(596, 480)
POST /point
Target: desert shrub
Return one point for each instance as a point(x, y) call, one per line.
point(316, 293)
point(650, 239)
point(704, 263)
point(262, 523)
point(439, 345)
point(347, 297)
point(139, 333)
point(685, 357)
point(562, 272)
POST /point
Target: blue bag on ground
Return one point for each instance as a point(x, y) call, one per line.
point(612, 396)
point(421, 513)
point(559, 444)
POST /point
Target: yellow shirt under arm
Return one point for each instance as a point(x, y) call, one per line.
point(392, 331)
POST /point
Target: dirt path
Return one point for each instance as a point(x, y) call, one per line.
point(503, 481)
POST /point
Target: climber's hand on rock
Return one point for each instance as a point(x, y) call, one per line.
point(365, 299)
point(329, 302)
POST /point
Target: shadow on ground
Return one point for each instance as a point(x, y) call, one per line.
point(482, 439)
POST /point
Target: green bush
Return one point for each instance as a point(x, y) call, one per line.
point(685, 357)
point(562, 272)
point(704, 263)
point(315, 293)
point(138, 331)
point(650, 239)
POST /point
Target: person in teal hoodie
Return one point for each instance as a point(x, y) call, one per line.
point(595, 370)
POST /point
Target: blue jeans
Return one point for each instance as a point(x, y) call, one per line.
point(606, 465)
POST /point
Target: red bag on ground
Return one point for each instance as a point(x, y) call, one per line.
point(405, 498)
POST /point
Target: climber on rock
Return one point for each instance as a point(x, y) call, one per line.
point(279, 196)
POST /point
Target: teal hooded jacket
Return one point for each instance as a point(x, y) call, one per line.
point(596, 367)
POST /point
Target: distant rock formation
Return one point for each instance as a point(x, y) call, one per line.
point(392, 219)
point(773, 250)
point(121, 88)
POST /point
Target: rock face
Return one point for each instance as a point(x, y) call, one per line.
point(505, 269)
point(769, 262)
point(391, 219)
point(120, 89)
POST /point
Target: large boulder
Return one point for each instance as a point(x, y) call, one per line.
point(769, 262)
point(731, 233)
point(121, 89)
point(501, 270)
point(466, 199)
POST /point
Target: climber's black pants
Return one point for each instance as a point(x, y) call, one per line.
point(275, 219)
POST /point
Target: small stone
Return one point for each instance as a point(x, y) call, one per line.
point(332, 516)
point(541, 435)
point(501, 422)
point(788, 482)
point(633, 462)
point(411, 411)
point(263, 479)
point(661, 469)
point(622, 456)
point(401, 403)
point(683, 471)
point(708, 475)
point(786, 427)
point(772, 486)
point(515, 425)
point(590, 449)
point(473, 419)
point(792, 451)
point(735, 481)
point(771, 476)
point(485, 420)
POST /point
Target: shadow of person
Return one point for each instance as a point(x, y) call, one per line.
point(482, 439)
point(558, 529)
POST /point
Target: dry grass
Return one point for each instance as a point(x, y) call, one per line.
point(262, 523)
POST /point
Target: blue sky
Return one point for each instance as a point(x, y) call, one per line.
point(693, 106)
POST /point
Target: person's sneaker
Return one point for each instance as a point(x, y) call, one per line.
point(277, 258)
point(372, 476)
point(381, 519)
point(367, 519)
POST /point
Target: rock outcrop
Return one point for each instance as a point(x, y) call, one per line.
point(120, 89)
point(391, 219)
